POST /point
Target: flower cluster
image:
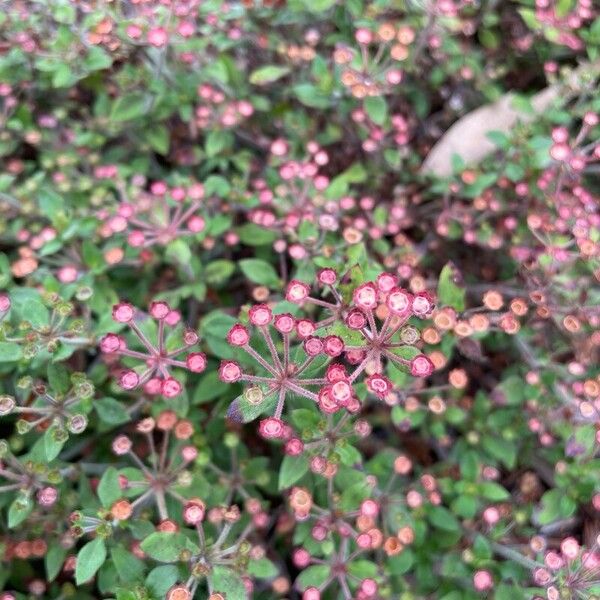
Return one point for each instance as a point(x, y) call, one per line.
point(159, 357)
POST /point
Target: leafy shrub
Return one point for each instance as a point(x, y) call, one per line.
point(299, 299)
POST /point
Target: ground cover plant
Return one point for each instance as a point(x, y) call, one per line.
point(299, 299)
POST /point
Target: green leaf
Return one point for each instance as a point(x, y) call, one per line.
point(228, 582)
point(505, 452)
point(449, 292)
point(315, 575)
point(128, 107)
point(376, 108)
point(97, 59)
point(10, 352)
point(158, 138)
point(218, 271)
point(109, 489)
point(54, 440)
point(179, 251)
point(292, 469)
point(129, 567)
point(19, 510)
point(262, 568)
point(268, 74)
point(89, 559)
point(216, 142)
point(493, 491)
point(58, 378)
point(111, 411)
point(442, 518)
point(50, 202)
point(54, 560)
point(556, 505)
point(253, 235)
point(161, 578)
point(167, 547)
point(259, 271)
point(242, 411)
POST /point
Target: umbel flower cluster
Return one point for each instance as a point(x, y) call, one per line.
point(305, 360)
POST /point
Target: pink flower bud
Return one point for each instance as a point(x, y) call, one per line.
point(238, 335)
point(301, 558)
point(271, 428)
point(260, 315)
point(335, 372)
point(294, 447)
point(196, 362)
point(363, 36)
point(47, 496)
point(157, 37)
point(229, 371)
point(111, 343)
point(159, 310)
point(482, 581)
point(333, 345)
point(365, 296)
point(193, 511)
point(121, 445)
point(171, 387)
point(399, 301)
point(297, 291)
point(153, 386)
point(4, 303)
point(311, 593)
point(305, 328)
point(386, 282)
point(123, 312)
point(327, 276)
point(129, 380)
point(313, 346)
point(422, 304)
point(196, 224)
point(421, 366)
point(285, 323)
point(379, 385)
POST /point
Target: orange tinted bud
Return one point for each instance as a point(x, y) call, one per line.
point(402, 465)
point(392, 546)
point(406, 535)
point(281, 585)
point(431, 336)
point(178, 592)
point(445, 319)
point(406, 35)
point(436, 405)
point(493, 300)
point(167, 526)
point(184, 430)
point(571, 324)
point(479, 323)
point(386, 32)
point(166, 420)
point(121, 510)
point(376, 537)
point(364, 523)
point(399, 52)
point(519, 307)
point(300, 500)
point(463, 329)
point(260, 293)
point(458, 378)
point(591, 388)
point(438, 359)
point(509, 324)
